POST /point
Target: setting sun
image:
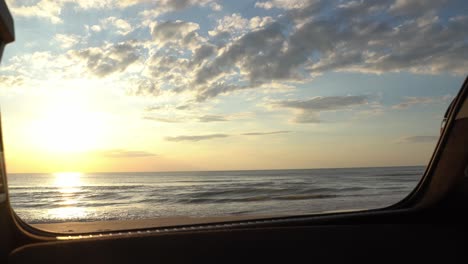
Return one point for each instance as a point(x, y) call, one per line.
point(67, 126)
point(67, 179)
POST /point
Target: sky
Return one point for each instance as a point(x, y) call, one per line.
point(139, 85)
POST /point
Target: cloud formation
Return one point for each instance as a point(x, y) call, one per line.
point(122, 153)
point(180, 33)
point(163, 119)
point(308, 38)
point(419, 139)
point(411, 101)
point(214, 136)
point(282, 4)
point(108, 59)
point(212, 118)
point(265, 133)
point(351, 39)
point(11, 81)
point(178, 118)
point(120, 26)
point(308, 110)
point(52, 10)
point(324, 103)
point(196, 138)
point(67, 41)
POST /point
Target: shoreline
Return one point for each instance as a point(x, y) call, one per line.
point(240, 170)
point(120, 225)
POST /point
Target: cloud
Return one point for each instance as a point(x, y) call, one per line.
point(213, 136)
point(306, 39)
point(7, 81)
point(254, 53)
point(235, 24)
point(324, 103)
point(308, 110)
point(67, 41)
point(265, 133)
point(216, 7)
point(120, 26)
point(164, 119)
point(196, 138)
point(36, 67)
point(108, 59)
point(44, 9)
point(180, 33)
point(122, 153)
point(349, 38)
point(418, 139)
point(52, 9)
point(411, 7)
point(217, 88)
point(165, 6)
point(202, 53)
point(193, 118)
point(283, 4)
point(166, 72)
point(186, 106)
point(411, 101)
point(145, 87)
point(153, 108)
point(212, 118)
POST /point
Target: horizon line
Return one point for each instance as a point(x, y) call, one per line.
point(321, 168)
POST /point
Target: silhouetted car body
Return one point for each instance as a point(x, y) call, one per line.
point(429, 225)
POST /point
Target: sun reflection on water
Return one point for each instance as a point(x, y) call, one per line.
point(67, 179)
point(69, 184)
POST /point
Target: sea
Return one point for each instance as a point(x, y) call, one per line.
point(64, 197)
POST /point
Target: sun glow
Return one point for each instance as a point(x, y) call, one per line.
point(67, 179)
point(67, 125)
point(69, 184)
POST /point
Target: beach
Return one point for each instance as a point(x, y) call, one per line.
point(119, 225)
point(82, 202)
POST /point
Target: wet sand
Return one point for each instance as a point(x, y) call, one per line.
point(105, 226)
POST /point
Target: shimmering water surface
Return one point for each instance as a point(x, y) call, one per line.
point(61, 197)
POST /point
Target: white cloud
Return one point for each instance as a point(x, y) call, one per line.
point(351, 40)
point(307, 111)
point(45, 9)
point(240, 53)
point(52, 9)
point(164, 6)
point(67, 41)
point(237, 25)
point(120, 26)
point(283, 4)
point(96, 28)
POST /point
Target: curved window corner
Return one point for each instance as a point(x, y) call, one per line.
point(139, 114)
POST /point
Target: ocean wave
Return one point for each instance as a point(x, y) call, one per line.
point(123, 196)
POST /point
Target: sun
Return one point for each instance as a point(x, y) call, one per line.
point(67, 126)
point(67, 179)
